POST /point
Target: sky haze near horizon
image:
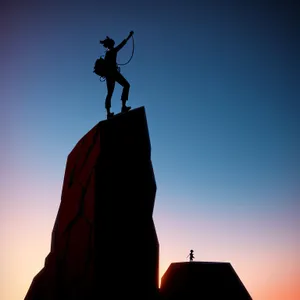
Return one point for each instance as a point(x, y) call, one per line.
point(220, 85)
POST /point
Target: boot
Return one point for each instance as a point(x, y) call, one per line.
point(110, 115)
point(125, 108)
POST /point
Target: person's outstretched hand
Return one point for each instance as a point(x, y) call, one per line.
point(129, 35)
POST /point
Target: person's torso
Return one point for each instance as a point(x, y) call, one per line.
point(111, 58)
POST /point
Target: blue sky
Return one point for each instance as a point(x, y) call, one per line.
point(220, 84)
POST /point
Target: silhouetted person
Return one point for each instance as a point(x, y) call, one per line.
point(113, 75)
point(191, 255)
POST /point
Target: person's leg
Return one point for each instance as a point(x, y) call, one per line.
point(125, 84)
point(110, 83)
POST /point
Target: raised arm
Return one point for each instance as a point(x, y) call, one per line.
point(123, 43)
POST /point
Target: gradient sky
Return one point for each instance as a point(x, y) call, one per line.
point(220, 84)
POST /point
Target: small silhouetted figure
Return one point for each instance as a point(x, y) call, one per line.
point(113, 75)
point(191, 255)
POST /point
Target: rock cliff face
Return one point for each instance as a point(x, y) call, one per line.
point(202, 280)
point(104, 240)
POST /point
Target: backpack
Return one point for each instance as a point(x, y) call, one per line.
point(100, 67)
